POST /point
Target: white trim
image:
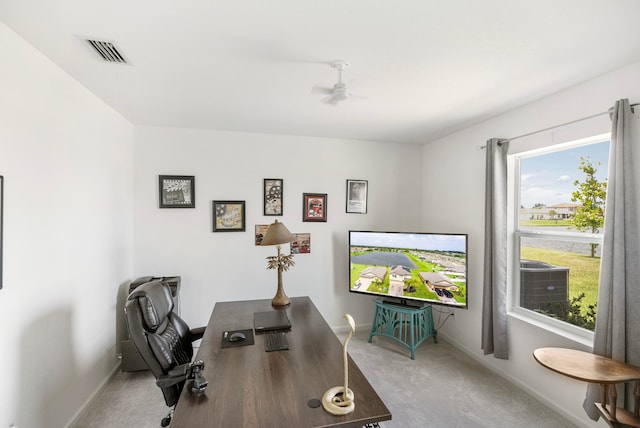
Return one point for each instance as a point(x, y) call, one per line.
point(562, 146)
point(515, 233)
point(90, 401)
point(561, 328)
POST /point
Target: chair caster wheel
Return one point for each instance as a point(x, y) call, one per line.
point(165, 421)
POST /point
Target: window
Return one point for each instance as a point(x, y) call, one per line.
point(559, 207)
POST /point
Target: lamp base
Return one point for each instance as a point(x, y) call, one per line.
point(280, 299)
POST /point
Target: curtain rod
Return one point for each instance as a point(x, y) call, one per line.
point(562, 124)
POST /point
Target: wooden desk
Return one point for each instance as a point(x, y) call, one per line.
point(592, 368)
point(249, 387)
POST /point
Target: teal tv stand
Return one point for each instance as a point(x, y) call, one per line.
point(408, 325)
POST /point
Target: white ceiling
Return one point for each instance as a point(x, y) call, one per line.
point(421, 69)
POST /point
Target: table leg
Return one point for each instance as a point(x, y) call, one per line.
point(636, 400)
point(613, 395)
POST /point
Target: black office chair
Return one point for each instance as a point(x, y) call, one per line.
point(164, 341)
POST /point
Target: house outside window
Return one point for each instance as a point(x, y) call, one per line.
point(558, 203)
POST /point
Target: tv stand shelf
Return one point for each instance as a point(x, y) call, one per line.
point(408, 325)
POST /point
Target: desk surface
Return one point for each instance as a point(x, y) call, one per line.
point(251, 387)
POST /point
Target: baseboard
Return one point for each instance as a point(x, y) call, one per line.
point(517, 382)
point(84, 409)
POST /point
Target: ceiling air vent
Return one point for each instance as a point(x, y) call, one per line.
point(107, 51)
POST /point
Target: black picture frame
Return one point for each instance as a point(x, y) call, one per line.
point(357, 194)
point(177, 191)
point(314, 207)
point(273, 194)
point(1, 224)
point(228, 216)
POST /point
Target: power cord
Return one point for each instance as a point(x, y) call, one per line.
point(449, 313)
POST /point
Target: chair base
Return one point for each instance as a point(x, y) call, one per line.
point(166, 421)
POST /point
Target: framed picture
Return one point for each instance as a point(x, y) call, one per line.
point(177, 191)
point(357, 196)
point(228, 216)
point(301, 243)
point(261, 230)
point(272, 192)
point(314, 207)
point(1, 221)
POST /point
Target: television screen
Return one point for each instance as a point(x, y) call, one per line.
point(409, 268)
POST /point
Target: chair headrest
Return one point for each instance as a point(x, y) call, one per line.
point(155, 303)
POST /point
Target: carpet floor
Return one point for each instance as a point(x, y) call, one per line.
point(441, 388)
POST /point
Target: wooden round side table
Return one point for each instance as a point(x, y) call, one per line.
point(606, 372)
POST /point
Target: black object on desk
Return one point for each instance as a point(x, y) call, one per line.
point(276, 341)
point(271, 320)
point(226, 341)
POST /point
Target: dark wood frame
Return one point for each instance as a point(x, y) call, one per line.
point(188, 180)
point(1, 222)
point(267, 198)
point(218, 209)
point(357, 206)
point(307, 199)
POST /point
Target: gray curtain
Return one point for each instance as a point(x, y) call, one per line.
point(617, 332)
point(494, 301)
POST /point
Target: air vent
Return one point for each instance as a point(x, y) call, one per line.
point(107, 51)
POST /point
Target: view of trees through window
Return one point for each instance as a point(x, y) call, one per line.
point(560, 218)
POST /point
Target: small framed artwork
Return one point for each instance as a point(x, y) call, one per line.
point(261, 230)
point(272, 192)
point(314, 207)
point(357, 196)
point(301, 243)
point(177, 191)
point(228, 216)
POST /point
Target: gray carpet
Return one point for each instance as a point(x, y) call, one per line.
point(441, 388)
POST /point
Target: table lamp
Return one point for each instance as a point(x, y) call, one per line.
point(278, 234)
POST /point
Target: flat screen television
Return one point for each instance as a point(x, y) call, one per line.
point(409, 268)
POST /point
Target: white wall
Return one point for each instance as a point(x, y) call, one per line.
point(459, 159)
point(231, 166)
point(67, 162)
point(74, 187)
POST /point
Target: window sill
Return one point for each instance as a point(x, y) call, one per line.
point(568, 331)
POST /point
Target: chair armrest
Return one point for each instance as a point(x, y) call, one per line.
point(175, 376)
point(196, 333)
point(182, 373)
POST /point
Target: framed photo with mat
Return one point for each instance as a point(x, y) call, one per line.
point(314, 207)
point(357, 196)
point(177, 191)
point(228, 216)
point(272, 191)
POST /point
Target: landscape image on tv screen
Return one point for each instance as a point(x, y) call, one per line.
point(423, 267)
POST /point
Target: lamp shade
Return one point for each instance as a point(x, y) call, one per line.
point(277, 234)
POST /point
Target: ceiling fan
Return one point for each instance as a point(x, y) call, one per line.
point(339, 91)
